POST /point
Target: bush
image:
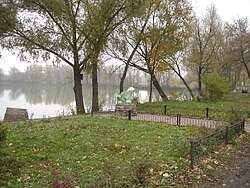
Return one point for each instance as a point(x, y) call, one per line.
point(216, 86)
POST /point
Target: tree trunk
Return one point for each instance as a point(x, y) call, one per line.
point(199, 83)
point(127, 66)
point(95, 100)
point(158, 88)
point(177, 71)
point(247, 69)
point(185, 83)
point(131, 57)
point(124, 76)
point(78, 91)
point(150, 89)
point(187, 86)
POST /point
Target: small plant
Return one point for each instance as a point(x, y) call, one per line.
point(216, 86)
point(60, 183)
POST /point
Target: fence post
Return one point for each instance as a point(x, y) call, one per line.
point(165, 109)
point(191, 154)
point(207, 109)
point(178, 116)
point(129, 115)
point(179, 120)
point(243, 126)
point(226, 135)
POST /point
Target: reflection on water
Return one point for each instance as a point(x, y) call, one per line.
point(43, 100)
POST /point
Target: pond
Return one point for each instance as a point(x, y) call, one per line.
point(44, 100)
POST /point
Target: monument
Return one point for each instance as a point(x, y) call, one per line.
point(125, 102)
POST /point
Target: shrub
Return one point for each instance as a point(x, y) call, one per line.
point(216, 86)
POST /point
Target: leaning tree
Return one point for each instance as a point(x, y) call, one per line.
point(155, 33)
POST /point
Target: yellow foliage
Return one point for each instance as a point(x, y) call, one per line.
point(163, 67)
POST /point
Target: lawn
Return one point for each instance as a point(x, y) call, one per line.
point(232, 100)
point(234, 104)
point(85, 151)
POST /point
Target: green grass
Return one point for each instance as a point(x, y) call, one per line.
point(239, 100)
point(94, 151)
point(234, 103)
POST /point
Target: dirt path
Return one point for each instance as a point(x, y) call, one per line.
point(237, 174)
point(182, 121)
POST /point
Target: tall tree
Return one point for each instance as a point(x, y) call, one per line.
point(66, 30)
point(156, 31)
point(134, 27)
point(104, 18)
point(204, 44)
point(52, 29)
point(238, 49)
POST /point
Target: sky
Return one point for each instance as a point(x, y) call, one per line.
point(227, 9)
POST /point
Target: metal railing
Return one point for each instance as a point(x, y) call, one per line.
point(206, 145)
point(204, 113)
point(176, 119)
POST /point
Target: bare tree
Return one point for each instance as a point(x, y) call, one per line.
point(238, 49)
point(204, 45)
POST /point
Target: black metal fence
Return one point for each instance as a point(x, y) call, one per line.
point(209, 118)
point(203, 146)
point(206, 145)
point(175, 119)
point(204, 113)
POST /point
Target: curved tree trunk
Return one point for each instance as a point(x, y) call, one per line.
point(127, 66)
point(124, 77)
point(78, 91)
point(158, 88)
point(187, 86)
point(178, 72)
